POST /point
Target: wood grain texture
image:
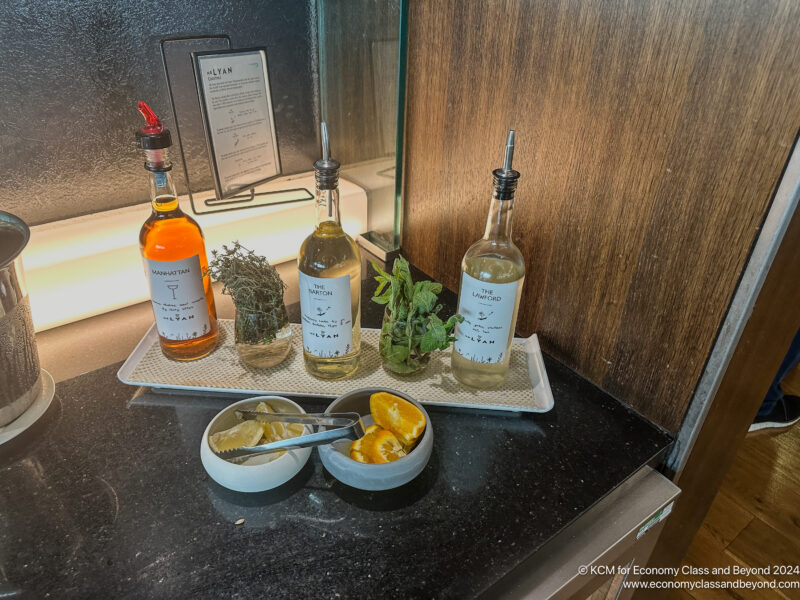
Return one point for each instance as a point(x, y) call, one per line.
point(753, 521)
point(650, 136)
point(678, 595)
point(601, 593)
point(763, 546)
point(766, 480)
point(725, 519)
point(705, 556)
point(767, 335)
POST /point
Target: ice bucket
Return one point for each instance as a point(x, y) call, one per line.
point(20, 375)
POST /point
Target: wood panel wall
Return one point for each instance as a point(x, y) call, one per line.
point(650, 138)
point(761, 349)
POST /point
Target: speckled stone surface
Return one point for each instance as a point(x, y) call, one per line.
point(106, 498)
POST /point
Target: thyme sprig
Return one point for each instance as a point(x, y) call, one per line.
point(257, 292)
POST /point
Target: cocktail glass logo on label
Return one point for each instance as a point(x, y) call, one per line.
point(179, 302)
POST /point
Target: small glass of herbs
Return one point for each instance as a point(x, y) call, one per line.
point(262, 333)
point(412, 328)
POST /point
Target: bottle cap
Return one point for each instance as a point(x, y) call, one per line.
point(152, 136)
point(326, 170)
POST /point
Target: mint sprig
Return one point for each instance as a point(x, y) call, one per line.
point(412, 327)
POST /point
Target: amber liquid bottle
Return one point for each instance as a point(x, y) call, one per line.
point(174, 256)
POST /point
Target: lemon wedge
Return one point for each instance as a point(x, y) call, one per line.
point(246, 433)
point(276, 431)
point(293, 430)
point(269, 429)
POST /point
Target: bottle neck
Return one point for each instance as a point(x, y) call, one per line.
point(327, 208)
point(498, 224)
point(162, 191)
point(159, 172)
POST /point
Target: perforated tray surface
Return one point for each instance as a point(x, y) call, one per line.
point(525, 388)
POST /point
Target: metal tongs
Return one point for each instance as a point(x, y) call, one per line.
point(346, 426)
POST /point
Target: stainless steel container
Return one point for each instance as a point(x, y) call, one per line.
point(20, 374)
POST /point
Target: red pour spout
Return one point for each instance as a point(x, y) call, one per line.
point(153, 123)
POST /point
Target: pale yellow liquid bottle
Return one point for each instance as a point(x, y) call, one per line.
point(329, 266)
point(492, 274)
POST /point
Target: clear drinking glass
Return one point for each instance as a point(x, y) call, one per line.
point(262, 339)
point(415, 362)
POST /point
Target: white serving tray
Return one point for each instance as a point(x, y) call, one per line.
point(525, 389)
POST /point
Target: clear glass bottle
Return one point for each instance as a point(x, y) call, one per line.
point(329, 267)
point(174, 255)
point(492, 274)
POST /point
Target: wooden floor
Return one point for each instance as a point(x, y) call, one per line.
point(755, 518)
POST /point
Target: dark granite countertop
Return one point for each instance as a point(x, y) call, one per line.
point(105, 497)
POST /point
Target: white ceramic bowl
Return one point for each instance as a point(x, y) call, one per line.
point(263, 472)
point(336, 456)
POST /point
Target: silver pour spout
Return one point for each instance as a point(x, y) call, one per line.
point(505, 179)
point(326, 156)
point(326, 148)
point(509, 151)
point(326, 169)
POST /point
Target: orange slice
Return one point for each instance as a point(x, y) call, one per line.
point(356, 448)
point(397, 415)
point(356, 453)
point(385, 447)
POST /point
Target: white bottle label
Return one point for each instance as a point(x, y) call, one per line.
point(487, 309)
point(179, 300)
point(326, 315)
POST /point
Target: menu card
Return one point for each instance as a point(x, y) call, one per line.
point(235, 98)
